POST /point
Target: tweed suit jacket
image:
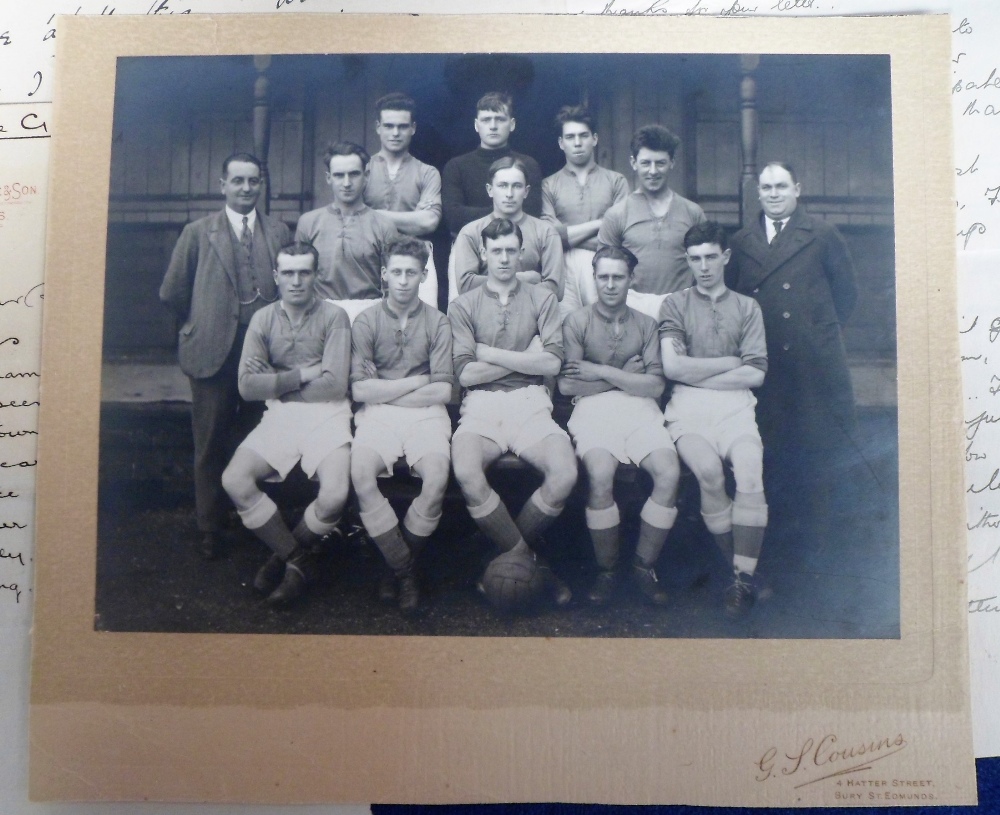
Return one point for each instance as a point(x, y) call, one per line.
point(200, 287)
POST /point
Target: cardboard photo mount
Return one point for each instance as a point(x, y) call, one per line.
point(283, 718)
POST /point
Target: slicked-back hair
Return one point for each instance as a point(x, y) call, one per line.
point(408, 246)
point(496, 101)
point(784, 165)
point(345, 148)
point(501, 228)
point(654, 137)
point(605, 252)
point(708, 232)
point(508, 163)
point(394, 101)
point(296, 248)
point(250, 158)
point(574, 113)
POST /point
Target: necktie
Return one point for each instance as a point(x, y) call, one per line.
point(777, 228)
point(246, 239)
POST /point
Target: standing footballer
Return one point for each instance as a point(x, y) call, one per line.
point(712, 345)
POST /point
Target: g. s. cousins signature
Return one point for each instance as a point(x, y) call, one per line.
point(828, 756)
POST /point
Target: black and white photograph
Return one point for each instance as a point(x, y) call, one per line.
point(319, 266)
point(443, 405)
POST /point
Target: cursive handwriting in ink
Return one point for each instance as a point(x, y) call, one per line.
point(791, 5)
point(12, 340)
point(826, 755)
point(987, 520)
point(4, 465)
point(22, 403)
point(10, 495)
point(163, 7)
point(972, 168)
point(963, 27)
point(976, 228)
point(12, 587)
point(736, 9)
point(972, 426)
point(992, 485)
point(656, 7)
point(14, 434)
point(983, 605)
point(28, 299)
point(4, 555)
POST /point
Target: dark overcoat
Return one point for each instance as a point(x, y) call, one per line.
point(805, 284)
point(200, 287)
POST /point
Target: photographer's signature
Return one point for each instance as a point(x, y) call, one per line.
point(828, 756)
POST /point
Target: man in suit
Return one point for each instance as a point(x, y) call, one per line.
point(220, 274)
point(799, 270)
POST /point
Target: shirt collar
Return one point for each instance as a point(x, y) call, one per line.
point(236, 220)
point(335, 209)
point(407, 156)
point(626, 315)
point(313, 305)
point(393, 314)
point(701, 295)
point(670, 199)
point(593, 169)
point(496, 295)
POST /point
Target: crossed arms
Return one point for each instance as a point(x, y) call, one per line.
point(717, 373)
point(492, 363)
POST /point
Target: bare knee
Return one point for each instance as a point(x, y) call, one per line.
point(434, 472)
point(365, 481)
point(748, 467)
point(711, 477)
point(664, 468)
point(468, 467)
point(560, 478)
point(601, 479)
point(331, 498)
point(240, 486)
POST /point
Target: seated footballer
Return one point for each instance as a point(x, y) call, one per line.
point(507, 338)
point(612, 370)
point(297, 358)
point(712, 346)
point(401, 372)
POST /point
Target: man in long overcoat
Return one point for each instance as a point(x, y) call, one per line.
point(220, 273)
point(799, 270)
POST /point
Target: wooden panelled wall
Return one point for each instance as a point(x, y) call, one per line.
point(174, 127)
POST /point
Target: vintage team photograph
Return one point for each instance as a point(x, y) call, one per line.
point(494, 344)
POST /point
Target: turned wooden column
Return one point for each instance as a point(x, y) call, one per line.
point(262, 126)
point(749, 137)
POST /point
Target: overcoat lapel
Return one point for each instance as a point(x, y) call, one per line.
point(223, 245)
point(796, 236)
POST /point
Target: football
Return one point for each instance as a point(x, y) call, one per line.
point(512, 581)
